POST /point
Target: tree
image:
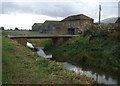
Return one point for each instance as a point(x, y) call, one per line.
point(2, 28)
point(16, 28)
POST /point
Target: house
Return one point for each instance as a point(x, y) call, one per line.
point(76, 24)
point(36, 27)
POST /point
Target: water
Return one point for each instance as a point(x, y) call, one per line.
point(99, 76)
point(40, 51)
point(30, 45)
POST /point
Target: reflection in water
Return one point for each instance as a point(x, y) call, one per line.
point(97, 77)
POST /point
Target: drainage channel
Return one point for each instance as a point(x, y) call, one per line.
point(97, 76)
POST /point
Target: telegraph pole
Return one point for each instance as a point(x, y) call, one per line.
point(99, 13)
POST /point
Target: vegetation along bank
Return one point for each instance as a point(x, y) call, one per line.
point(102, 50)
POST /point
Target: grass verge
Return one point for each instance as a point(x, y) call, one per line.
point(20, 65)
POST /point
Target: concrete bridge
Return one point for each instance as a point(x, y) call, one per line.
point(57, 39)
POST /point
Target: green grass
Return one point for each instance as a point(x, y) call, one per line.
point(20, 65)
point(101, 52)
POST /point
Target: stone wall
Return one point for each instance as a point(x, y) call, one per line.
point(80, 24)
point(60, 30)
point(85, 24)
point(110, 27)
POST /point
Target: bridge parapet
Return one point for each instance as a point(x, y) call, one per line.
point(58, 39)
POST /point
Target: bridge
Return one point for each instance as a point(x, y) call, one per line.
point(57, 39)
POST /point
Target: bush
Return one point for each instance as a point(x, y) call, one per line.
point(88, 32)
point(102, 33)
point(84, 59)
point(114, 35)
point(116, 52)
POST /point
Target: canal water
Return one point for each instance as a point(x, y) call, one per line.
point(97, 75)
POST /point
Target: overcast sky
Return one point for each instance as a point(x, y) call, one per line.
point(24, 13)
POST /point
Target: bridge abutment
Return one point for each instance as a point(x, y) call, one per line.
point(58, 41)
point(22, 41)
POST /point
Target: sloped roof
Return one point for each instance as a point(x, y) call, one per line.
point(76, 17)
point(118, 21)
point(111, 20)
point(51, 22)
point(37, 24)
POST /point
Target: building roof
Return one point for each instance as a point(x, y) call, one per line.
point(77, 17)
point(118, 20)
point(111, 20)
point(51, 22)
point(37, 24)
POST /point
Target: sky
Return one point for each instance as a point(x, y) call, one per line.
point(24, 13)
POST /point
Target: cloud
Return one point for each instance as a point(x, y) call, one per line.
point(60, 8)
point(23, 21)
point(38, 11)
point(15, 7)
point(56, 9)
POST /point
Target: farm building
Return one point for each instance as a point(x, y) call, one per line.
point(49, 25)
point(36, 27)
point(76, 24)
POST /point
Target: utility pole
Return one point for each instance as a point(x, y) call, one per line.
point(99, 13)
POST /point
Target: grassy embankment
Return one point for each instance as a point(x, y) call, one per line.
point(100, 52)
point(20, 65)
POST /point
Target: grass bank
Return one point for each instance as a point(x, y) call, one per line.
point(20, 65)
point(102, 52)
